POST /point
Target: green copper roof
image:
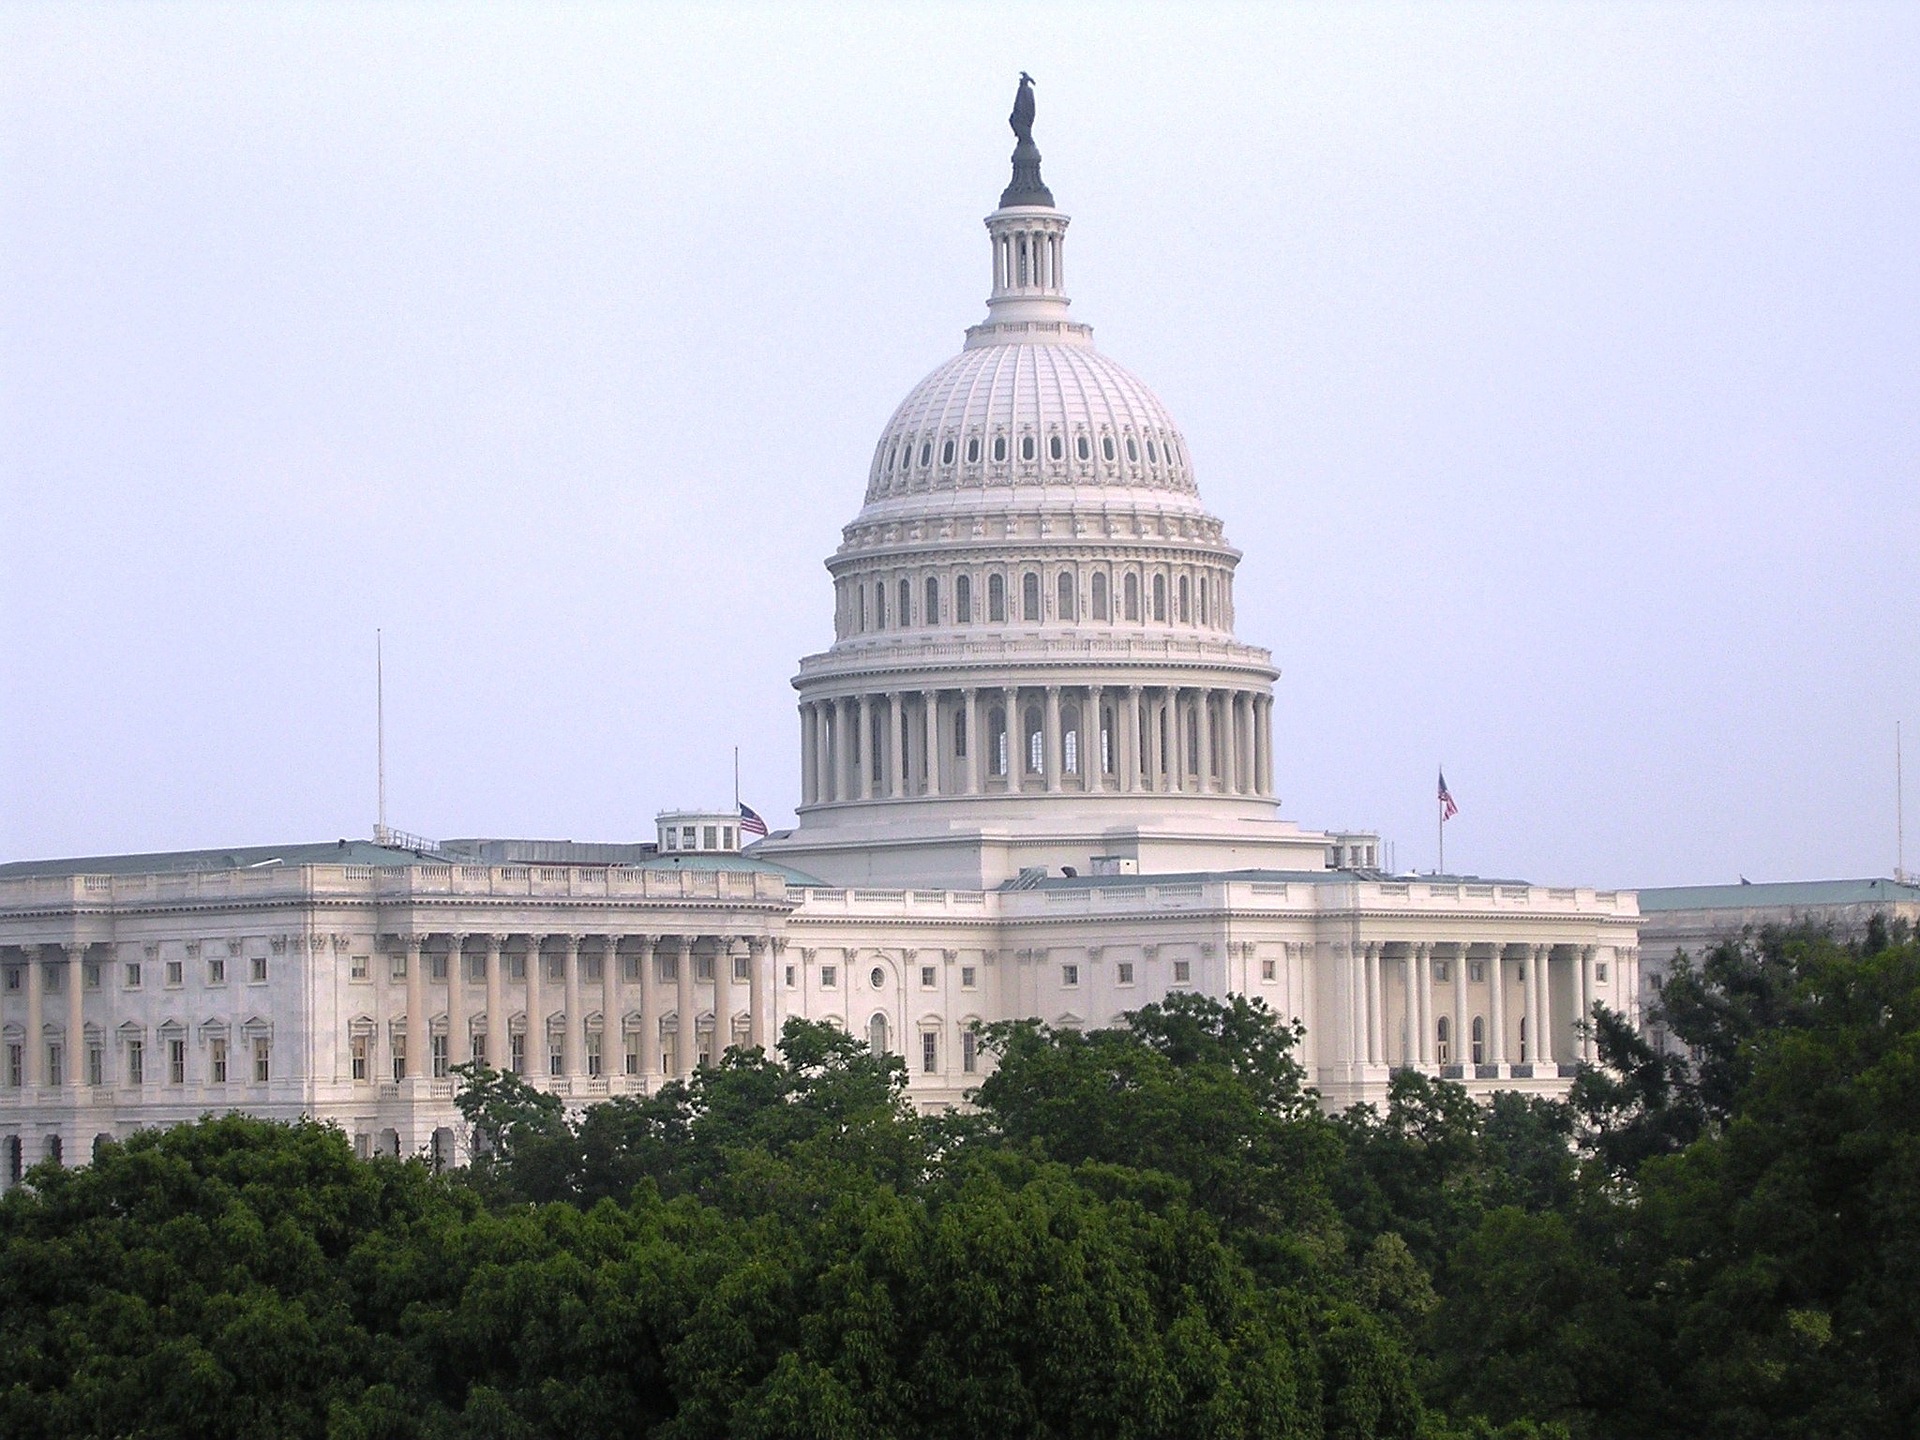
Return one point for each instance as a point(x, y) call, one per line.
point(237, 857)
point(1787, 894)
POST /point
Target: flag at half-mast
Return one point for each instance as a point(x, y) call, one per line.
point(751, 823)
point(1447, 808)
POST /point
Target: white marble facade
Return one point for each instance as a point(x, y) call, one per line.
point(1036, 779)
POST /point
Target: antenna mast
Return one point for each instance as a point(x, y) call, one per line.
point(380, 736)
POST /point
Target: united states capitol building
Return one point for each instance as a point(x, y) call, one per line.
point(1036, 779)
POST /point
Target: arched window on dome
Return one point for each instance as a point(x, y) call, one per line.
point(1100, 595)
point(960, 733)
point(999, 447)
point(1065, 595)
point(946, 452)
point(931, 614)
point(906, 603)
point(1133, 451)
point(973, 450)
point(1132, 596)
point(1106, 448)
point(926, 453)
point(861, 590)
point(963, 599)
point(1206, 585)
point(1083, 448)
point(879, 604)
point(893, 458)
point(1070, 740)
point(1160, 598)
point(1036, 741)
point(1152, 458)
point(1106, 740)
point(1030, 596)
point(1190, 722)
point(1026, 447)
point(997, 739)
point(1055, 449)
point(997, 598)
point(1186, 601)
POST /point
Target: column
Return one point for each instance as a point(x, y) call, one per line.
point(416, 1007)
point(36, 1014)
point(1176, 741)
point(807, 796)
point(1093, 762)
point(1497, 1006)
point(1051, 741)
point(758, 1020)
point(652, 1007)
point(570, 990)
point(75, 1074)
point(930, 716)
point(1423, 979)
point(1410, 1041)
point(687, 1032)
point(1376, 1009)
point(1530, 1004)
point(1462, 1016)
point(537, 1065)
point(612, 1037)
point(1263, 744)
point(1127, 757)
point(1545, 967)
point(896, 752)
point(976, 742)
point(723, 957)
point(497, 1051)
point(864, 749)
point(1587, 1045)
point(1156, 744)
point(456, 1016)
point(1203, 738)
point(1230, 742)
point(843, 786)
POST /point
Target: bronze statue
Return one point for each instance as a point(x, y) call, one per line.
point(1022, 118)
point(1027, 187)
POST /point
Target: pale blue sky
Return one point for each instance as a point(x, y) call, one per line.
point(1555, 367)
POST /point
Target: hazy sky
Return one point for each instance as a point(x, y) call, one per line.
point(1556, 367)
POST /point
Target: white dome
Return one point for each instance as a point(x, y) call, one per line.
point(1029, 414)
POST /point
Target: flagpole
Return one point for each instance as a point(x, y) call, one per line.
point(736, 779)
point(1440, 824)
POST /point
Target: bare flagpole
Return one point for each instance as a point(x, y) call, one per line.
point(1899, 809)
point(380, 737)
point(736, 779)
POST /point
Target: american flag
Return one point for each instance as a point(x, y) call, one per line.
point(751, 823)
point(1447, 808)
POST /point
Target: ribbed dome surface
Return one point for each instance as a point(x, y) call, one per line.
point(1029, 414)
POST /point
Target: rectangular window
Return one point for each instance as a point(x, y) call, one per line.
point(969, 1050)
point(1442, 971)
point(398, 1045)
point(216, 972)
point(517, 965)
point(476, 969)
point(217, 1061)
point(54, 1057)
point(593, 1054)
point(96, 1064)
point(1182, 971)
point(136, 1062)
point(927, 977)
point(13, 977)
point(477, 1049)
point(436, 967)
point(703, 967)
point(554, 1058)
point(790, 977)
point(726, 837)
point(968, 977)
point(556, 968)
point(1477, 971)
point(16, 1058)
point(595, 966)
point(1656, 981)
point(1268, 970)
point(517, 1054)
point(633, 1054)
point(133, 975)
point(1600, 972)
point(358, 1048)
point(687, 837)
point(174, 976)
point(441, 1057)
point(630, 967)
point(92, 972)
point(262, 1061)
point(1125, 972)
point(176, 1062)
point(829, 976)
point(53, 978)
point(360, 967)
point(929, 1052)
point(1069, 975)
point(669, 1053)
point(669, 966)
point(743, 967)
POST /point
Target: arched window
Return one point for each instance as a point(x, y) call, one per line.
point(1479, 1033)
point(1160, 598)
point(1055, 450)
point(999, 447)
point(861, 591)
point(1186, 601)
point(946, 452)
point(1443, 1040)
point(1106, 742)
point(1065, 595)
point(1026, 447)
point(926, 452)
point(1082, 448)
point(973, 450)
point(1193, 744)
point(997, 732)
point(1100, 595)
point(877, 1034)
point(1151, 457)
point(1133, 451)
point(1030, 596)
point(1070, 740)
point(1133, 596)
point(1523, 1036)
point(1036, 742)
point(963, 599)
point(893, 457)
point(996, 597)
point(1106, 448)
point(932, 613)
point(960, 733)
point(879, 604)
point(1206, 585)
point(906, 604)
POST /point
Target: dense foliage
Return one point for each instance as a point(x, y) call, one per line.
point(1143, 1232)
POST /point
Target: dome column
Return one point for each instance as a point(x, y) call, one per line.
point(970, 720)
point(1127, 758)
point(1203, 739)
point(896, 748)
point(930, 713)
point(1093, 722)
point(1051, 749)
point(864, 747)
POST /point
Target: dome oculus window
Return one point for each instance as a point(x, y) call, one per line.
point(877, 978)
